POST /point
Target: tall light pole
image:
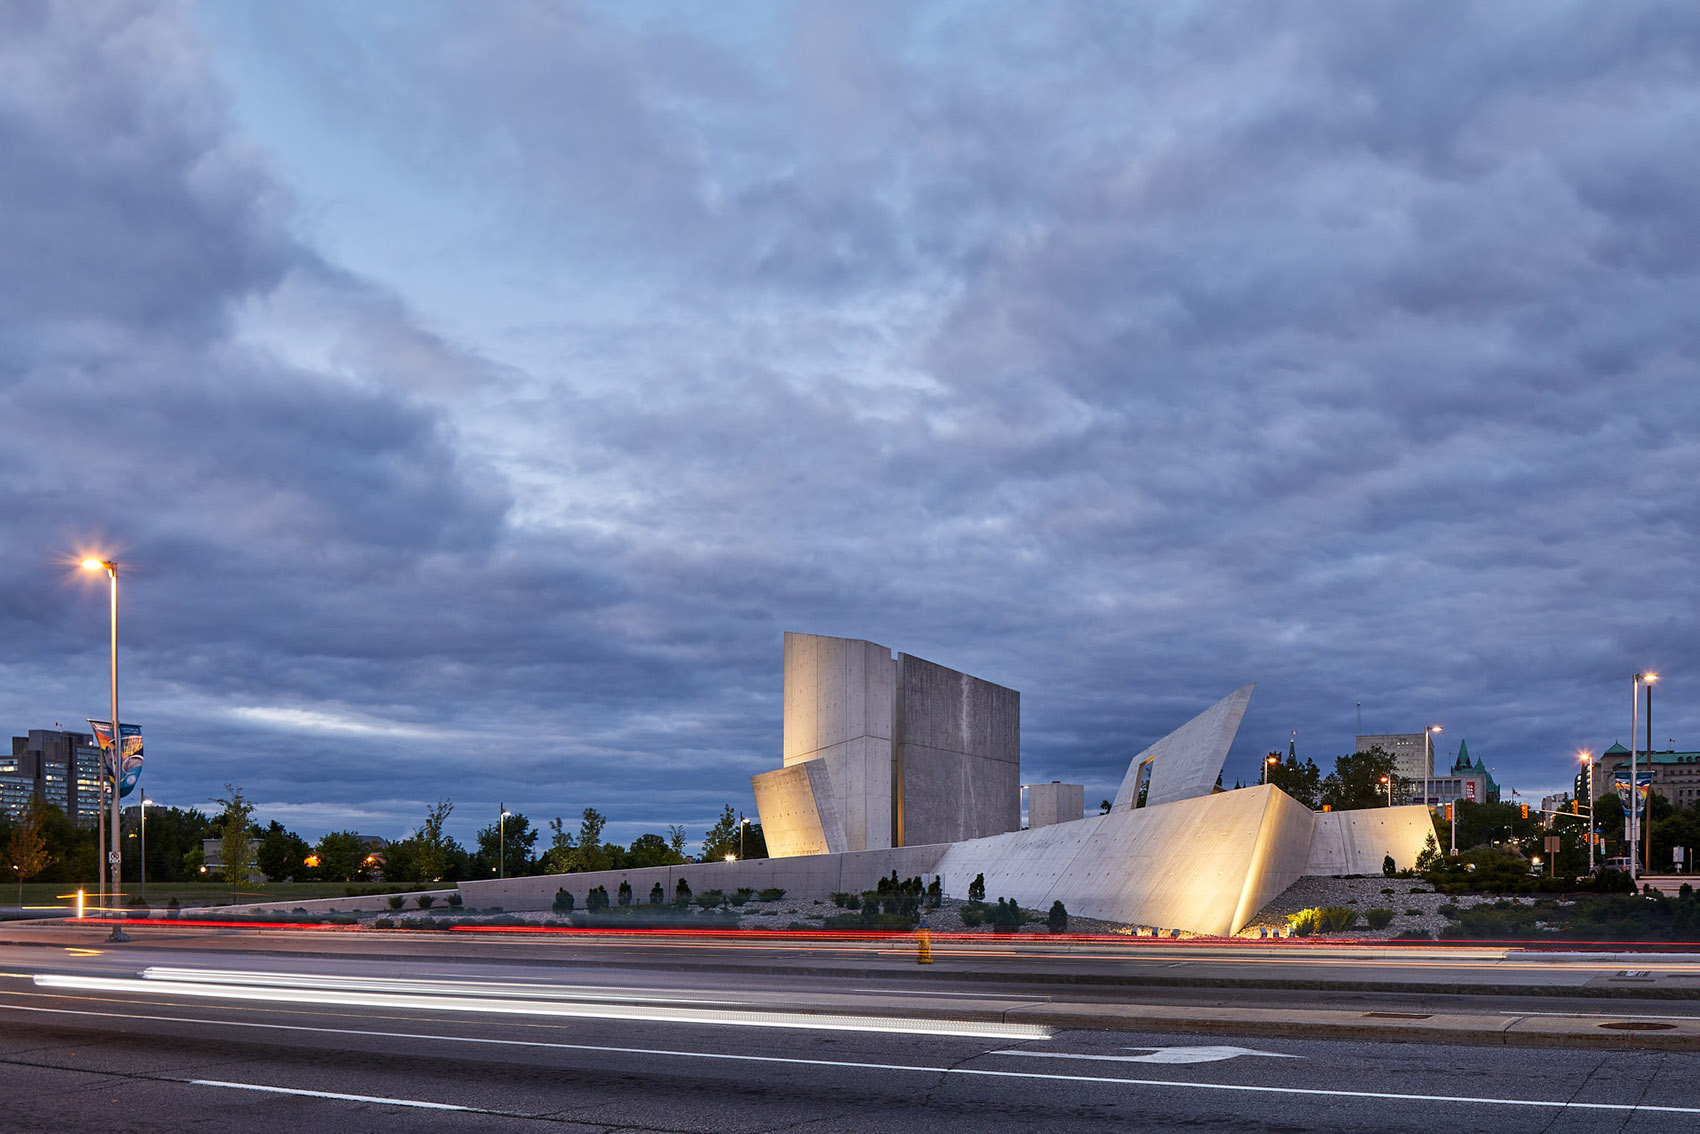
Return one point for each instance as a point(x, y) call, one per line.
point(1428, 758)
point(144, 859)
point(1587, 759)
point(113, 855)
point(1269, 762)
point(1387, 782)
point(502, 841)
point(1634, 777)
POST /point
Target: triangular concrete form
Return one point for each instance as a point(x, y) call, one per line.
point(1185, 763)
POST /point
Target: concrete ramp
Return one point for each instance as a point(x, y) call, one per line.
point(1185, 763)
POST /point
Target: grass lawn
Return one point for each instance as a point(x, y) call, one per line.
point(40, 897)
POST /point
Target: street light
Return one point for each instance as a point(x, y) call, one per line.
point(1634, 778)
point(144, 862)
point(1587, 758)
point(113, 856)
point(502, 840)
point(1269, 762)
point(743, 824)
point(1428, 758)
point(1387, 782)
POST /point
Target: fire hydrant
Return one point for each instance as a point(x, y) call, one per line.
point(924, 956)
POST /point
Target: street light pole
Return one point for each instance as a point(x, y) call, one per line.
point(1640, 679)
point(502, 841)
point(1588, 759)
point(113, 855)
point(1428, 759)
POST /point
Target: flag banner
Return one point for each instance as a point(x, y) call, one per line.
point(1644, 784)
point(103, 733)
point(132, 776)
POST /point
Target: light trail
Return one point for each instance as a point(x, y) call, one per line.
point(380, 1099)
point(557, 1009)
point(731, 1057)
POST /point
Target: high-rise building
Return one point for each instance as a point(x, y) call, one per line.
point(58, 767)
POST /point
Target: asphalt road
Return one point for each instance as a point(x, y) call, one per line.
point(363, 1032)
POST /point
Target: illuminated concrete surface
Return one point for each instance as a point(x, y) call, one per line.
point(1055, 803)
point(1187, 762)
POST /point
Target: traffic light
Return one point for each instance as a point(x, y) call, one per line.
point(1525, 811)
point(1449, 813)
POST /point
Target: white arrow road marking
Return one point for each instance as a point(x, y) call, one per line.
point(1214, 1054)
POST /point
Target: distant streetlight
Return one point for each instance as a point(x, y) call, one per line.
point(1269, 762)
point(144, 846)
point(502, 840)
point(113, 856)
point(743, 825)
point(1387, 782)
point(731, 858)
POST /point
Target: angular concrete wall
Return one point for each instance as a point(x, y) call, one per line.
point(1355, 842)
point(838, 709)
point(799, 810)
point(957, 755)
point(1186, 762)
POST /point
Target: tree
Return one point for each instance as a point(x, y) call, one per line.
point(721, 839)
point(592, 855)
point(341, 856)
point(652, 850)
point(27, 853)
point(562, 855)
point(513, 839)
point(676, 839)
point(977, 889)
point(1356, 783)
point(1302, 781)
point(234, 828)
point(282, 854)
point(436, 851)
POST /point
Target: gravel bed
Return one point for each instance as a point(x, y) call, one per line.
point(1366, 893)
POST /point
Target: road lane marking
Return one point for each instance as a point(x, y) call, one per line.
point(1169, 1055)
point(631, 1012)
point(1179, 1084)
point(419, 1103)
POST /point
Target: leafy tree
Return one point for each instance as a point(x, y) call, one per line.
point(282, 854)
point(1104, 807)
point(27, 853)
point(1301, 780)
point(436, 851)
point(592, 855)
point(1356, 781)
point(721, 839)
point(512, 838)
point(651, 850)
point(234, 828)
point(562, 853)
point(977, 889)
point(1057, 920)
point(676, 839)
point(341, 856)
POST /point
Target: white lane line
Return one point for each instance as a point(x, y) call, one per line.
point(1170, 1055)
point(559, 1009)
point(516, 990)
point(419, 1103)
point(1180, 1084)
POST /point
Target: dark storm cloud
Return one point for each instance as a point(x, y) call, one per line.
point(1121, 356)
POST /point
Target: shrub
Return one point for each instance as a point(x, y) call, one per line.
point(656, 895)
point(1447, 910)
point(1305, 922)
point(852, 901)
point(771, 894)
point(625, 893)
point(709, 899)
point(1006, 917)
point(396, 901)
point(977, 889)
point(682, 893)
point(563, 903)
point(973, 914)
point(384, 923)
point(1057, 920)
point(742, 895)
point(935, 893)
point(1388, 867)
point(1414, 935)
point(424, 901)
point(840, 898)
point(1387, 891)
point(596, 899)
point(1378, 918)
point(454, 900)
point(1413, 912)
point(1337, 919)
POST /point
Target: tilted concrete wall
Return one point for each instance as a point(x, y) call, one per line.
point(838, 709)
point(1186, 762)
point(799, 810)
point(957, 751)
point(1355, 842)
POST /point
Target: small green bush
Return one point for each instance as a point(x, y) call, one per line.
point(1337, 919)
point(1447, 910)
point(563, 903)
point(682, 893)
point(840, 899)
point(710, 899)
point(424, 901)
point(397, 901)
point(977, 889)
point(1305, 922)
point(771, 894)
point(384, 923)
point(742, 895)
point(973, 914)
point(656, 895)
point(1413, 912)
point(1057, 920)
point(1414, 935)
point(1378, 918)
point(596, 899)
point(935, 893)
point(454, 900)
point(1006, 917)
point(625, 893)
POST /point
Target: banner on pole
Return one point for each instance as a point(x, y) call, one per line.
point(1644, 787)
point(125, 767)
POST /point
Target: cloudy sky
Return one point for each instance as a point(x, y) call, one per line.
point(474, 393)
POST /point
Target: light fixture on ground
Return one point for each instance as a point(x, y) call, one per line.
point(115, 758)
point(502, 840)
